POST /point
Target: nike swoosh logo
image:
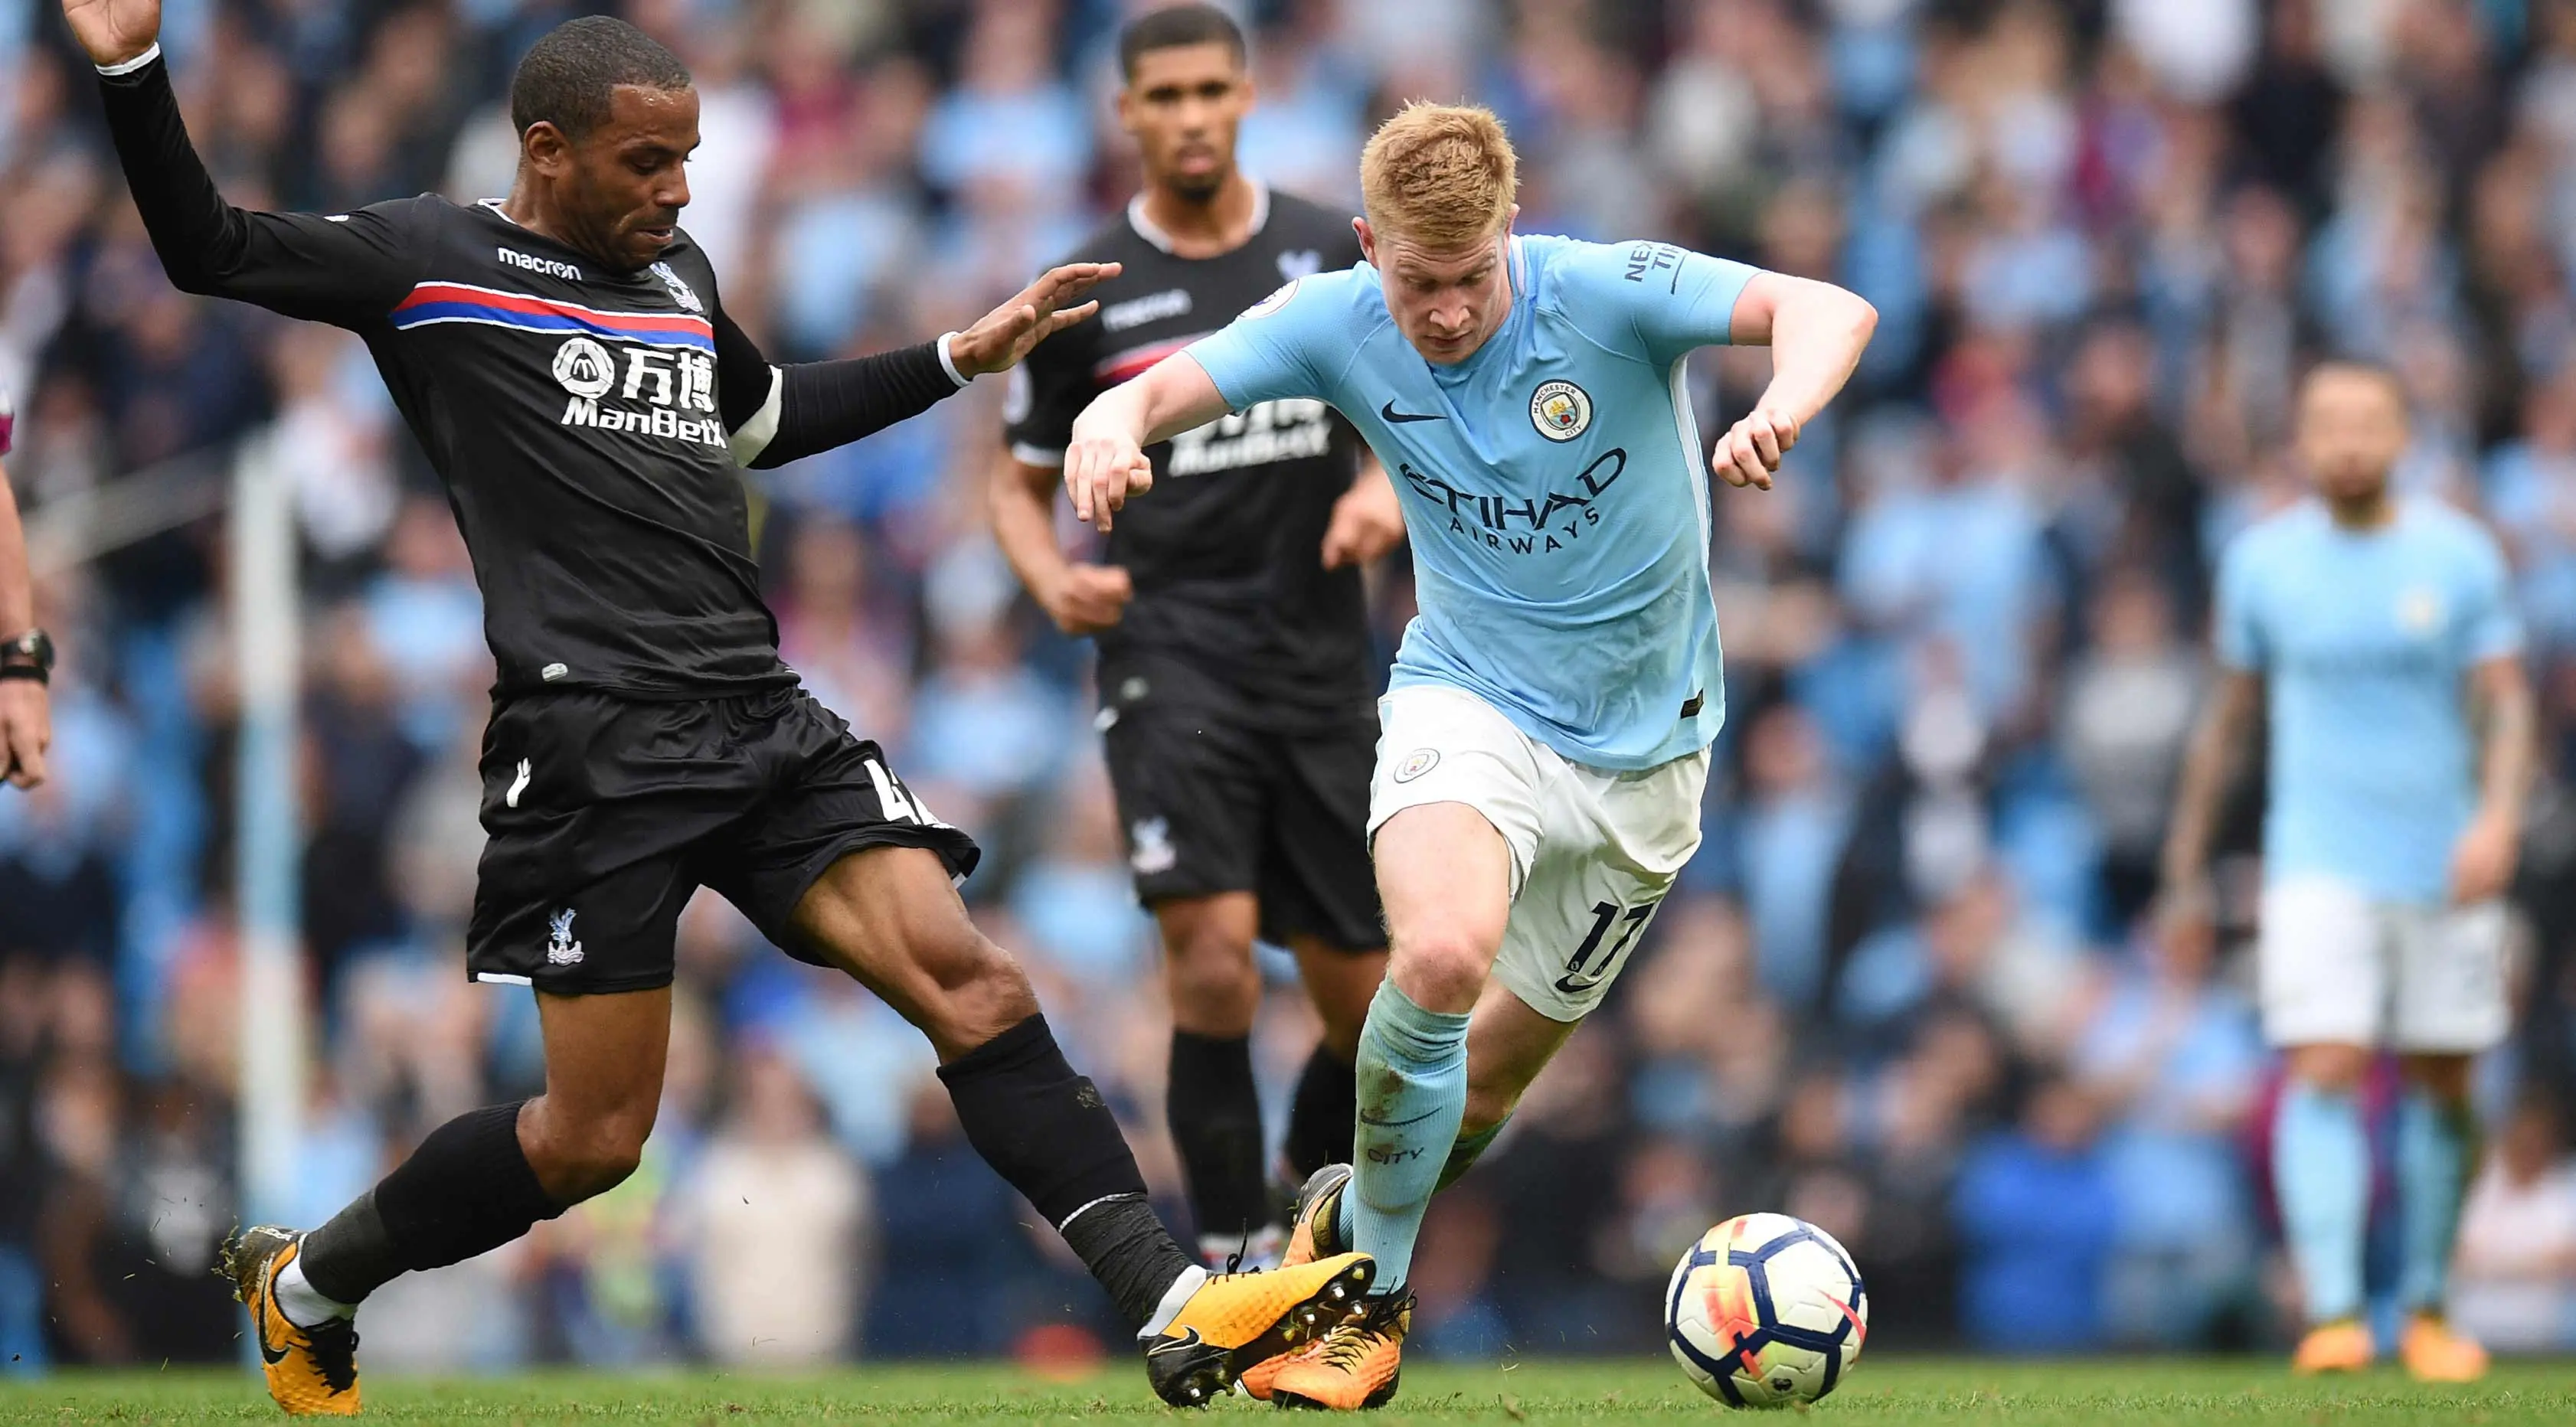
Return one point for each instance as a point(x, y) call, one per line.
point(269, 1355)
point(1390, 413)
point(1189, 1339)
point(518, 785)
point(1397, 1124)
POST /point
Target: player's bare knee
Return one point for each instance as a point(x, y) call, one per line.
point(2444, 1077)
point(2338, 1069)
point(1341, 1036)
point(1214, 984)
point(1441, 971)
point(575, 1162)
point(974, 991)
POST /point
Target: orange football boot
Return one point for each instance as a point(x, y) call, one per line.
point(312, 1372)
point(2340, 1346)
point(2434, 1351)
point(1355, 1366)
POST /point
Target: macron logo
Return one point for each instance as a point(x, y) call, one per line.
point(549, 266)
point(1137, 311)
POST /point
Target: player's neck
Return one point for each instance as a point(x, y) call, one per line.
point(1204, 227)
point(527, 208)
point(2362, 513)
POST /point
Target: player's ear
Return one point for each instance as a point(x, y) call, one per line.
point(1127, 110)
point(545, 148)
point(1368, 244)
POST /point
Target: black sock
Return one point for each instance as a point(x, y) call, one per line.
point(1129, 1251)
point(1215, 1114)
point(1323, 1119)
point(466, 1190)
point(1047, 1131)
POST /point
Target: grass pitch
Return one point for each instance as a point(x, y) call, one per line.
point(1894, 1392)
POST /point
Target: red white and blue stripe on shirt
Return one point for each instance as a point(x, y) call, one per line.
point(435, 302)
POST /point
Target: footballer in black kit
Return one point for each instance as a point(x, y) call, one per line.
point(1238, 697)
point(565, 360)
point(1236, 672)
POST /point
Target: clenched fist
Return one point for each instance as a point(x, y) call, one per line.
point(1751, 449)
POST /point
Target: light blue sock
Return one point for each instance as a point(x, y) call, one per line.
point(2432, 1173)
point(1462, 1158)
point(2321, 1171)
point(1413, 1094)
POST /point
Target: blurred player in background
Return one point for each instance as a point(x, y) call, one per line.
point(1546, 734)
point(26, 652)
point(2380, 634)
point(568, 366)
point(1235, 674)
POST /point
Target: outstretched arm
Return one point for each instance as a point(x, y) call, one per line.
point(344, 268)
point(1105, 462)
point(779, 414)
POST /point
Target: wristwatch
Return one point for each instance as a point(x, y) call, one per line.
point(28, 656)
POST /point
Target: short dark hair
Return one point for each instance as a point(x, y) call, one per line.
point(1172, 28)
point(572, 70)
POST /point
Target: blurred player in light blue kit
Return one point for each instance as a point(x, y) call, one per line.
point(1544, 743)
point(2381, 633)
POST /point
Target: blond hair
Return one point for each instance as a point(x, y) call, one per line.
point(1443, 175)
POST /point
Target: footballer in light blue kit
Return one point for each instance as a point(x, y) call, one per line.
point(1544, 741)
point(2374, 631)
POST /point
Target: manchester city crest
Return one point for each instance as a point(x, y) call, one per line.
point(1560, 410)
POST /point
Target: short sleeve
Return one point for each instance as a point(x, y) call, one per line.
point(2490, 627)
point(1655, 300)
point(1047, 391)
point(2239, 633)
point(1269, 353)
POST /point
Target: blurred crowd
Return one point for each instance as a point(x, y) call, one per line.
point(1906, 992)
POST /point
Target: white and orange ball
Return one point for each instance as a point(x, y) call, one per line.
point(1766, 1311)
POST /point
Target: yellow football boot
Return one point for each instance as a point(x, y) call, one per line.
point(312, 1372)
point(1237, 1320)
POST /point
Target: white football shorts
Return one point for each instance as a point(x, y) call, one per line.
point(1593, 851)
point(2337, 967)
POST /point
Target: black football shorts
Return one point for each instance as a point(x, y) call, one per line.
point(606, 814)
point(1212, 801)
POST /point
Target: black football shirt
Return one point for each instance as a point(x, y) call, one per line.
point(1226, 551)
point(580, 417)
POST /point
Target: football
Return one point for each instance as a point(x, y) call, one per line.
point(1766, 1311)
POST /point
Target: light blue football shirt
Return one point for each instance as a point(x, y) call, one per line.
point(2366, 640)
point(1553, 483)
